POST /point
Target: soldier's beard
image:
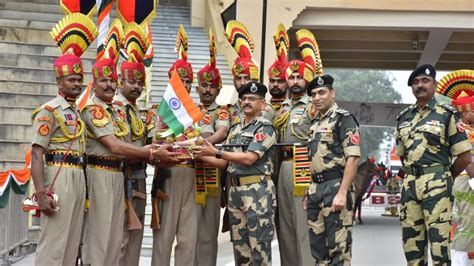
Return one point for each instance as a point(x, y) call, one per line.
point(277, 93)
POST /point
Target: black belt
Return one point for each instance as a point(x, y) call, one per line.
point(420, 170)
point(108, 163)
point(248, 180)
point(134, 167)
point(56, 158)
point(326, 176)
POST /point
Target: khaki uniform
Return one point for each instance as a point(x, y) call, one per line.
point(104, 228)
point(427, 139)
point(55, 124)
point(333, 138)
point(252, 196)
point(464, 215)
point(293, 237)
point(180, 214)
point(214, 116)
point(135, 179)
point(277, 104)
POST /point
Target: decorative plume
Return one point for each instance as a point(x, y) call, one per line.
point(150, 53)
point(86, 7)
point(114, 39)
point(282, 43)
point(240, 39)
point(74, 33)
point(135, 42)
point(457, 84)
point(212, 49)
point(309, 50)
point(181, 46)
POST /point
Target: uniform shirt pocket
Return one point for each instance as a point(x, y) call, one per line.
point(434, 134)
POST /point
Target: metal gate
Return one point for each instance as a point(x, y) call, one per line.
point(13, 225)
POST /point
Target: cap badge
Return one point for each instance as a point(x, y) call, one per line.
point(137, 74)
point(275, 72)
point(238, 68)
point(295, 66)
point(76, 68)
point(253, 88)
point(206, 76)
point(427, 71)
point(107, 71)
point(183, 73)
point(320, 81)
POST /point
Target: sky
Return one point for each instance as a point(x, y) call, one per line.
point(400, 84)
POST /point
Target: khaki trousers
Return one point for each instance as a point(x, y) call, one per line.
point(179, 218)
point(104, 226)
point(293, 236)
point(132, 239)
point(60, 233)
point(208, 232)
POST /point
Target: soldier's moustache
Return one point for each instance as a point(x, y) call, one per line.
point(420, 90)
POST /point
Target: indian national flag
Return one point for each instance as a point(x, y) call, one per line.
point(177, 108)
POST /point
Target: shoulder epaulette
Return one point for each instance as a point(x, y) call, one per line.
point(342, 112)
point(49, 108)
point(403, 112)
point(449, 108)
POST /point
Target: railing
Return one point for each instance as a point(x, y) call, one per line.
point(13, 226)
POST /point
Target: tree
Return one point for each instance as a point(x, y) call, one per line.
point(367, 86)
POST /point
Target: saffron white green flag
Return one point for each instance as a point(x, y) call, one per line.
point(177, 108)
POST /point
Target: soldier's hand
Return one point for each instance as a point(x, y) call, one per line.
point(205, 150)
point(165, 154)
point(339, 202)
point(45, 203)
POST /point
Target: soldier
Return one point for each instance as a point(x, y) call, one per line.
point(244, 69)
point(214, 126)
point(293, 122)
point(334, 153)
point(106, 150)
point(276, 73)
point(181, 211)
point(463, 211)
point(252, 198)
point(133, 82)
point(428, 135)
point(59, 135)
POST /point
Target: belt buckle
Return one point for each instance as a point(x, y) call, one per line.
point(81, 160)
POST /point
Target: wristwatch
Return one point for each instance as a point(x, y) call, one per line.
point(219, 154)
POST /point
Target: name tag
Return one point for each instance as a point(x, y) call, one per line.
point(324, 130)
point(404, 125)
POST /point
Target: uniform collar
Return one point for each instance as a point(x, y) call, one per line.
point(211, 107)
point(329, 113)
point(96, 100)
point(63, 103)
point(431, 104)
point(304, 99)
point(119, 97)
